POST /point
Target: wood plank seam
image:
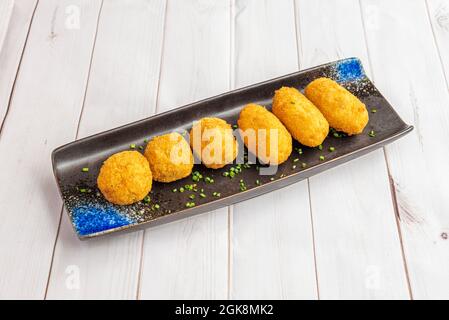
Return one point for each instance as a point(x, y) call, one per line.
point(436, 44)
point(18, 70)
point(298, 54)
point(76, 137)
point(161, 62)
point(390, 177)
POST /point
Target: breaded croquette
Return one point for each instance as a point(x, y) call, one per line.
point(303, 120)
point(344, 111)
point(264, 135)
point(213, 143)
point(125, 178)
point(170, 157)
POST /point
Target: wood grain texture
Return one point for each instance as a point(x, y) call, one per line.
point(13, 37)
point(357, 245)
point(272, 244)
point(189, 259)
point(43, 114)
point(6, 7)
point(122, 88)
point(438, 11)
point(407, 69)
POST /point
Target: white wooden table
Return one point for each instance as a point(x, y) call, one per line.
point(376, 227)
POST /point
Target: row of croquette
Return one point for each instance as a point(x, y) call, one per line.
point(126, 177)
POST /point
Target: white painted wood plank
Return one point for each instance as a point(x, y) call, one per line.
point(12, 47)
point(358, 252)
point(122, 88)
point(6, 7)
point(408, 71)
point(189, 259)
point(438, 11)
point(43, 115)
point(272, 244)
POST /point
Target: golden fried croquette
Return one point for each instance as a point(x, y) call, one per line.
point(264, 135)
point(125, 178)
point(170, 157)
point(213, 143)
point(303, 120)
point(344, 111)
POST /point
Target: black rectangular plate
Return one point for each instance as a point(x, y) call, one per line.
point(91, 215)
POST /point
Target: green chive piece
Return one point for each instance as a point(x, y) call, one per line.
point(320, 147)
point(231, 174)
point(296, 160)
point(145, 140)
point(175, 190)
point(322, 158)
point(331, 149)
point(272, 179)
point(372, 133)
point(373, 110)
point(83, 190)
point(85, 169)
point(300, 151)
point(294, 167)
point(133, 146)
point(190, 204)
point(181, 189)
point(140, 148)
point(192, 196)
point(235, 126)
point(257, 182)
point(157, 206)
point(303, 164)
point(147, 199)
point(202, 195)
point(225, 174)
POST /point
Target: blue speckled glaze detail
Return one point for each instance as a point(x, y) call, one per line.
point(89, 219)
point(349, 70)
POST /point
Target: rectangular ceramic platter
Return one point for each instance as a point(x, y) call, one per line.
point(91, 215)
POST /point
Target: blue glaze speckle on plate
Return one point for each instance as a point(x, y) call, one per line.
point(349, 70)
point(88, 219)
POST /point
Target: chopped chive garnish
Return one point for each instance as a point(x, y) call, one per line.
point(140, 148)
point(85, 169)
point(202, 195)
point(132, 146)
point(303, 164)
point(373, 110)
point(322, 158)
point(145, 140)
point(232, 174)
point(257, 182)
point(192, 196)
point(190, 204)
point(272, 179)
point(225, 174)
point(320, 147)
point(300, 151)
point(235, 126)
point(147, 199)
point(216, 194)
point(175, 190)
point(181, 189)
point(83, 190)
point(294, 167)
point(372, 133)
point(157, 206)
point(296, 160)
point(209, 180)
point(331, 149)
